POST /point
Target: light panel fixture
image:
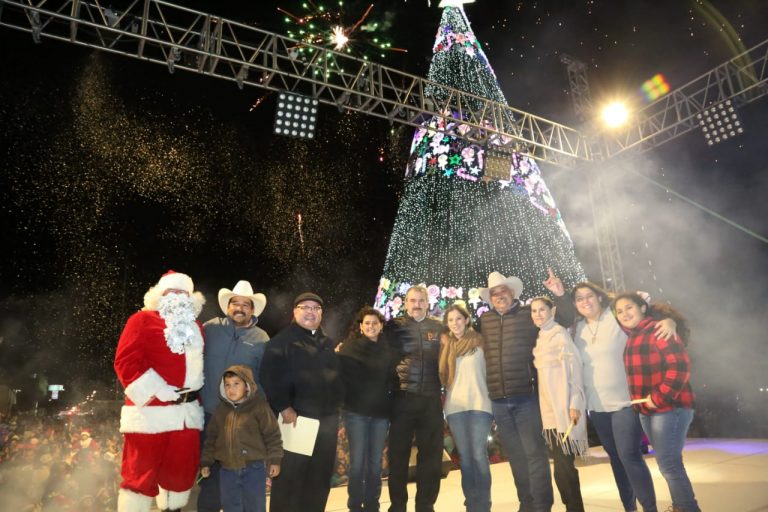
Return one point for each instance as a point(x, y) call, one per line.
point(498, 161)
point(720, 122)
point(296, 115)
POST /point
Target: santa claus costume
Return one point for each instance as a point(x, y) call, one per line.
point(88, 448)
point(159, 361)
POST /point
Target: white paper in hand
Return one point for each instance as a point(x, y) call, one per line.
point(301, 438)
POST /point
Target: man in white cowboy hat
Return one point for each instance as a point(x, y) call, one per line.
point(159, 361)
point(510, 336)
point(234, 339)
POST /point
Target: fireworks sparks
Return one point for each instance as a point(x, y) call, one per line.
point(339, 38)
point(259, 101)
point(109, 183)
point(323, 27)
point(299, 223)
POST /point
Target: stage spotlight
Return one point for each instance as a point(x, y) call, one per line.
point(719, 122)
point(615, 114)
point(296, 115)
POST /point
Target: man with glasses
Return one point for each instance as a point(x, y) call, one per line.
point(300, 375)
point(231, 340)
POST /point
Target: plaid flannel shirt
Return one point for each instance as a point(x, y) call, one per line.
point(659, 368)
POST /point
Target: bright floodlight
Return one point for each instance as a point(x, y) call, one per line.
point(615, 114)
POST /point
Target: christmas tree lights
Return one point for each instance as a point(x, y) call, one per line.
point(454, 226)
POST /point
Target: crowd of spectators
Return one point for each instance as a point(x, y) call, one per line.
point(59, 463)
point(72, 463)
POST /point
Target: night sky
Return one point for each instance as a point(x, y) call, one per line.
point(115, 171)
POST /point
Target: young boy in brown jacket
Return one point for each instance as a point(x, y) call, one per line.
point(243, 436)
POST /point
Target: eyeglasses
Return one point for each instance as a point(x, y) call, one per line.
point(310, 308)
point(584, 298)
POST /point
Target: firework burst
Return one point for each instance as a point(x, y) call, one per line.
point(320, 26)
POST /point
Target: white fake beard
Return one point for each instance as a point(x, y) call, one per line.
point(181, 331)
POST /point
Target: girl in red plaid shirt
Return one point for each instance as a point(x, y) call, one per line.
point(658, 374)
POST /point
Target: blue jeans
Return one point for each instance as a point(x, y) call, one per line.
point(666, 431)
point(244, 490)
point(366, 436)
point(621, 436)
point(470, 430)
point(520, 431)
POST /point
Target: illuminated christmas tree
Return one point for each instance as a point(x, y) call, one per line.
point(454, 226)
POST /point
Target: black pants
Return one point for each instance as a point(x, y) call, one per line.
point(422, 416)
point(567, 479)
point(304, 482)
point(209, 499)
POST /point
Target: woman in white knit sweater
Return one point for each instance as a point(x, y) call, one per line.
point(561, 400)
point(467, 406)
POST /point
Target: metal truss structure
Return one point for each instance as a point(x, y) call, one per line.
point(741, 80)
point(181, 38)
point(581, 97)
point(606, 238)
point(602, 203)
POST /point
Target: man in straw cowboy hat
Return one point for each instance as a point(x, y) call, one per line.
point(234, 339)
point(159, 361)
point(510, 336)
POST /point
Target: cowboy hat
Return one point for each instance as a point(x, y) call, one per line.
point(242, 289)
point(497, 279)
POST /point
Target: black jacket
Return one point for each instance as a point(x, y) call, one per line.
point(509, 342)
point(301, 370)
point(368, 376)
point(416, 352)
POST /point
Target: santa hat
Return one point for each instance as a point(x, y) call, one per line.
point(85, 432)
point(173, 280)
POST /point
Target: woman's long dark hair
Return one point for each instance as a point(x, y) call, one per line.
point(604, 296)
point(354, 328)
point(658, 311)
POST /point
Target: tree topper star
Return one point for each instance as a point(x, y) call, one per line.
point(454, 3)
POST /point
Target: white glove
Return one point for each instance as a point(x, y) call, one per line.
point(167, 394)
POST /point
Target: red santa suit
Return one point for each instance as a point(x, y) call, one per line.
point(154, 360)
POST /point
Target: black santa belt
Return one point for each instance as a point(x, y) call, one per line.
point(187, 396)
